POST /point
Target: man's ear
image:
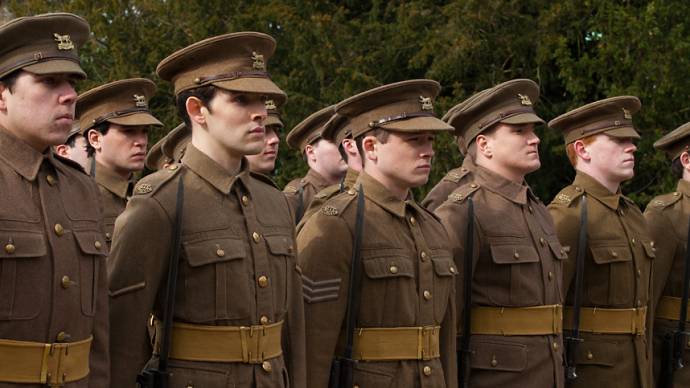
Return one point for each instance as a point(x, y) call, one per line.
point(369, 146)
point(62, 150)
point(685, 160)
point(196, 110)
point(483, 146)
point(581, 150)
point(4, 90)
point(94, 139)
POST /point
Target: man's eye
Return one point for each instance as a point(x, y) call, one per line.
point(241, 99)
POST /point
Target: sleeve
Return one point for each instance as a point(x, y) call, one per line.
point(659, 228)
point(99, 357)
point(567, 223)
point(295, 331)
point(137, 265)
point(325, 248)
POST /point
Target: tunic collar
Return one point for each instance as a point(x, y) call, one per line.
point(597, 190)
point(315, 179)
point(23, 158)
point(514, 192)
point(212, 172)
point(684, 187)
point(377, 193)
point(112, 182)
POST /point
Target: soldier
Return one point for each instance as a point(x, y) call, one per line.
point(155, 160)
point(53, 293)
point(404, 327)
point(238, 314)
point(618, 258)
point(516, 259)
point(75, 148)
point(326, 165)
point(265, 162)
point(667, 216)
point(115, 118)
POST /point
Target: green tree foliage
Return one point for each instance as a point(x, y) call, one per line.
point(578, 51)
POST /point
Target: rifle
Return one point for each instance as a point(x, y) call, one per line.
point(572, 341)
point(465, 354)
point(158, 377)
point(674, 343)
point(342, 366)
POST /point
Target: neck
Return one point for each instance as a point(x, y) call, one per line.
point(400, 192)
point(500, 170)
point(231, 162)
point(686, 175)
point(330, 178)
point(122, 173)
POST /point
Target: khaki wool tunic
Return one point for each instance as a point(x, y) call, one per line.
point(302, 190)
point(617, 275)
point(667, 216)
point(407, 281)
point(329, 192)
point(237, 268)
point(53, 284)
point(517, 262)
point(451, 181)
point(114, 192)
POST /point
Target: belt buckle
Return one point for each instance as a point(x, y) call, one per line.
point(52, 369)
point(426, 342)
point(252, 344)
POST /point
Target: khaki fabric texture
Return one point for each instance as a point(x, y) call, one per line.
point(405, 256)
point(451, 181)
point(53, 251)
point(237, 268)
point(667, 216)
point(114, 192)
point(302, 190)
point(517, 262)
point(329, 192)
point(617, 274)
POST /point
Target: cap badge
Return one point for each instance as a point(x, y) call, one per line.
point(259, 63)
point(63, 42)
point(270, 105)
point(524, 100)
point(626, 114)
point(426, 103)
point(140, 101)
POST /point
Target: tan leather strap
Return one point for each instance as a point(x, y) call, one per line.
point(247, 344)
point(396, 343)
point(609, 321)
point(535, 320)
point(669, 308)
point(40, 363)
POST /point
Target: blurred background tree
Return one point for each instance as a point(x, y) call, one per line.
point(578, 51)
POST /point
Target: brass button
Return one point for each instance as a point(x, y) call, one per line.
point(463, 169)
point(51, 180)
point(578, 189)
point(263, 319)
point(355, 386)
point(542, 241)
point(516, 256)
point(97, 244)
point(621, 212)
point(651, 244)
point(614, 253)
point(555, 346)
point(494, 361)
point(632, 241)
point(173, 167)
point(63, 337)
point(220, 252)
point(189, 385)
point(473, 185)
point(59, 230)
point(427, 370)
point(66, 282)
point(590, 356)
point(639, 303)
point(550, 275)
point(452, 269)
point(424, 256)
point(256, 237)
point(413, 221)
point(676, 194)
point(10, 248)
point(639, 273)
point(530, 209)
point(263, 281)
point(393, 268)
point(266, 365)
point(108, 236)
point(197, 80)
point(245, 200)
point(427, 295)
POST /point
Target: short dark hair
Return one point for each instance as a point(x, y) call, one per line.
point(677, 168)
point(102, 128)
point(10, 79)
point(71, 141)
point(203, 93)
point(379, 133)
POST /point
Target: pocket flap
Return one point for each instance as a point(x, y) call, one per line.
point(444, 266)
point(280, 245)
point(498, 356)
point(388, 267)
point(514, 254)
point(605, 254)
point(598, 352)
point(213, 251)
point(22, 244)
point(649, 249)
point(91, 242)
point(558, 250)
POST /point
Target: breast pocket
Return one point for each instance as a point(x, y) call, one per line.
point(216, 279)
point(24, 274)
point(516, 280)
point(445, 270)
point(93, 252)
point(282, 260)
point(389, 284)
point(612, 281)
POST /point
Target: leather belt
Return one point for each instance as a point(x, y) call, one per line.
point(534, 320)
point(396, 343)
point(609, 321)
point(669, 308)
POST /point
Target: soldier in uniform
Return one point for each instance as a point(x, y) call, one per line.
point(238, 313)
point(619, 252)
point(175, 144)
point(115, 118)
point(53, 290)
point(667, 217)
point(326, 166)
point(75, 148)
point(265, 162)
point(405, 323)
point(516, 337)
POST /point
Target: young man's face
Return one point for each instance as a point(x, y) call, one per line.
point(325, 155)
point(265, 161)
point(514, 149)
point(403, 160)
point(78, 152)
point(122, 149)
point(613, 157)
point(39, 109)
point(234, 122)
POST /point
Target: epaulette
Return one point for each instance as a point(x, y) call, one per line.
point(149, 184)
point(568, 195)
point(456, 174)
point(292, 187)
point(665, 200)
point(328, 192)
point(339, 203)
point(263, 178)
point(463, 192)
point(71, 163)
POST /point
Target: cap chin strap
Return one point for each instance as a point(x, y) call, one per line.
point(401, 116)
